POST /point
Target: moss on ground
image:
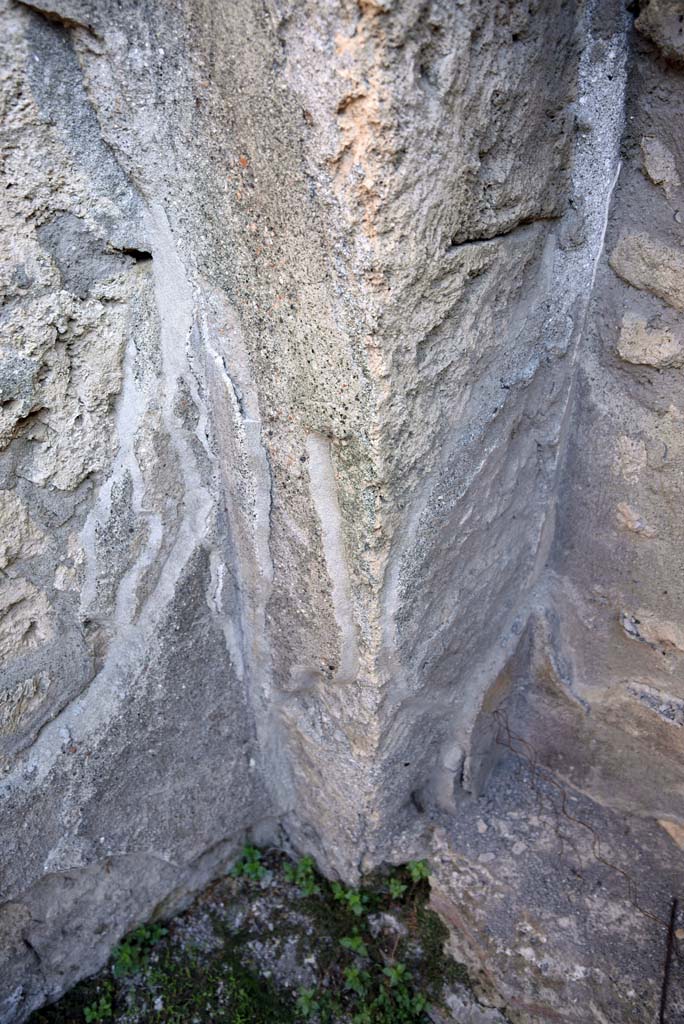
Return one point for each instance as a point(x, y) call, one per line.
point(276, 943)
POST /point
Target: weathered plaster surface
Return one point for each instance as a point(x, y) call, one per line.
point(339, 439)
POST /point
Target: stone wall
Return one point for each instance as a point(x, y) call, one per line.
point(339, 419)
point(560, 885)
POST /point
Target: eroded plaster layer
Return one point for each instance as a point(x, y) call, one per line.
point(321, 324)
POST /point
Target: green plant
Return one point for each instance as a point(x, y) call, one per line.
point(249, 865)
point(127, 959)
point(355, 944)
point(307, 1005)
point(364, 1016)
point(356, 901)
point(397, 974)
point(303, 875)
point(357, 980)
point(397, 1002)
point(150, 934)
point(359, 974)
point(384, 996)
point(132, 954)
point(419, 1004)
point(397, 888)
point(100, 1009)
point(418, 870)
point(338, 891)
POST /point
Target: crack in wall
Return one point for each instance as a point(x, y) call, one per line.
point(457, 242)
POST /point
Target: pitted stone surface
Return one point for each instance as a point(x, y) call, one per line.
point(339, 423)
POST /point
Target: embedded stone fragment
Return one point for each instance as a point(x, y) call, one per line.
point(17, 387)
point(24, 617)
point(19, 536)
point(68, 575)
point(661, 21)
point(648, 628)
point(645, 346)
point(659, 164)
point(20, 700)
point(674, 829)
point(630, 458)
point(61, 370)
point(669, 707)
point(80, 256)
point(651, 265)
point(629, 519)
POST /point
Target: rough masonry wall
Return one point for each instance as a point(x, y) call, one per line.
point(130, 763)
point(295, 394)
point(614, 620)
point(560, 883)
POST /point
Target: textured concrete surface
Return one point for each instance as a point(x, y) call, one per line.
point(340, 428)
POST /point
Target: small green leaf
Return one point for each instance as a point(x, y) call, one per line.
point(307, 1004)
point(418, 870)
point(356, 944)
point(356, 980)
point(397, 888)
